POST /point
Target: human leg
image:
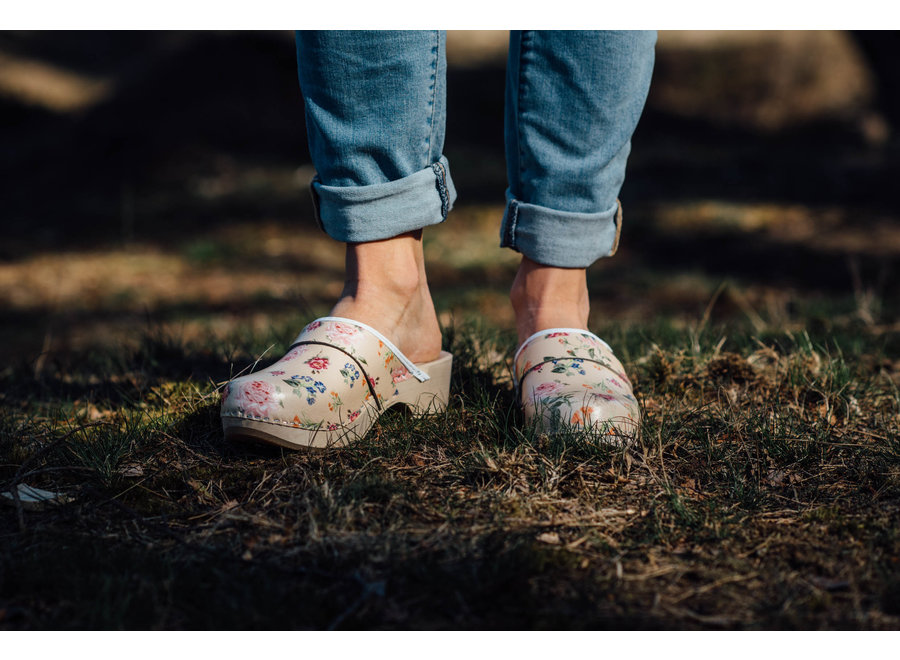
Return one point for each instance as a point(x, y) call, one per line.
point(375, 109)
point(375, 115)
point(573, 100)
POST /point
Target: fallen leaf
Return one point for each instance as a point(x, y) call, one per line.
point(34, 499)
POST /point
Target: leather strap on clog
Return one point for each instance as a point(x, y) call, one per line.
point(360, 365)
point(363, 345)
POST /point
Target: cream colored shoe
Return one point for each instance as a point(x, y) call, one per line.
point(337, 378)
point(568, 379)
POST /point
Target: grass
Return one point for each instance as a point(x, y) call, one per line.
point(751, 301)
point(763, 493)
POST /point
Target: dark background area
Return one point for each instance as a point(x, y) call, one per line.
point(114, 140)
point(176, 104)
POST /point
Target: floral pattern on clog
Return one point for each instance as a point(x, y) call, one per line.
point(334, 370)
point(572, 379)
point(258, 397)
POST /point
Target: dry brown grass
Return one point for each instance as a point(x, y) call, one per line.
point(763, 493)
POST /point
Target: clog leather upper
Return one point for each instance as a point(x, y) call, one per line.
point(570, 378)
point(332, 372)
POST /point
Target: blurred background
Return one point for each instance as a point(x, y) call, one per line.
point(160, 179)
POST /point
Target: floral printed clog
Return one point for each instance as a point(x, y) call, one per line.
point(569, 379)
point(336, 379)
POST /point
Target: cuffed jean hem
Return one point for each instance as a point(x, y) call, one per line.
point(359, 214)
point(560, 238)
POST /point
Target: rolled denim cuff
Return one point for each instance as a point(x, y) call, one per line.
point(359, 214)
point(560, 238)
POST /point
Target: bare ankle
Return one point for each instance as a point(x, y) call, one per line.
point(546, 297)
point(386, 287)
point(395, 265)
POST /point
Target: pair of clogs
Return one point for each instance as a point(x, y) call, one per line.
point(340, 375)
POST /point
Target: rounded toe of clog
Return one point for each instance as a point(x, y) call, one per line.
point(574, 410)
point(569, 380)
point(256, 396)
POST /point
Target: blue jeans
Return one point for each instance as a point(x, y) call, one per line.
point(375, 116)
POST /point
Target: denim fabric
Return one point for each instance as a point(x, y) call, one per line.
point(375, 117)
point(376, 111)
point(573, 100)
